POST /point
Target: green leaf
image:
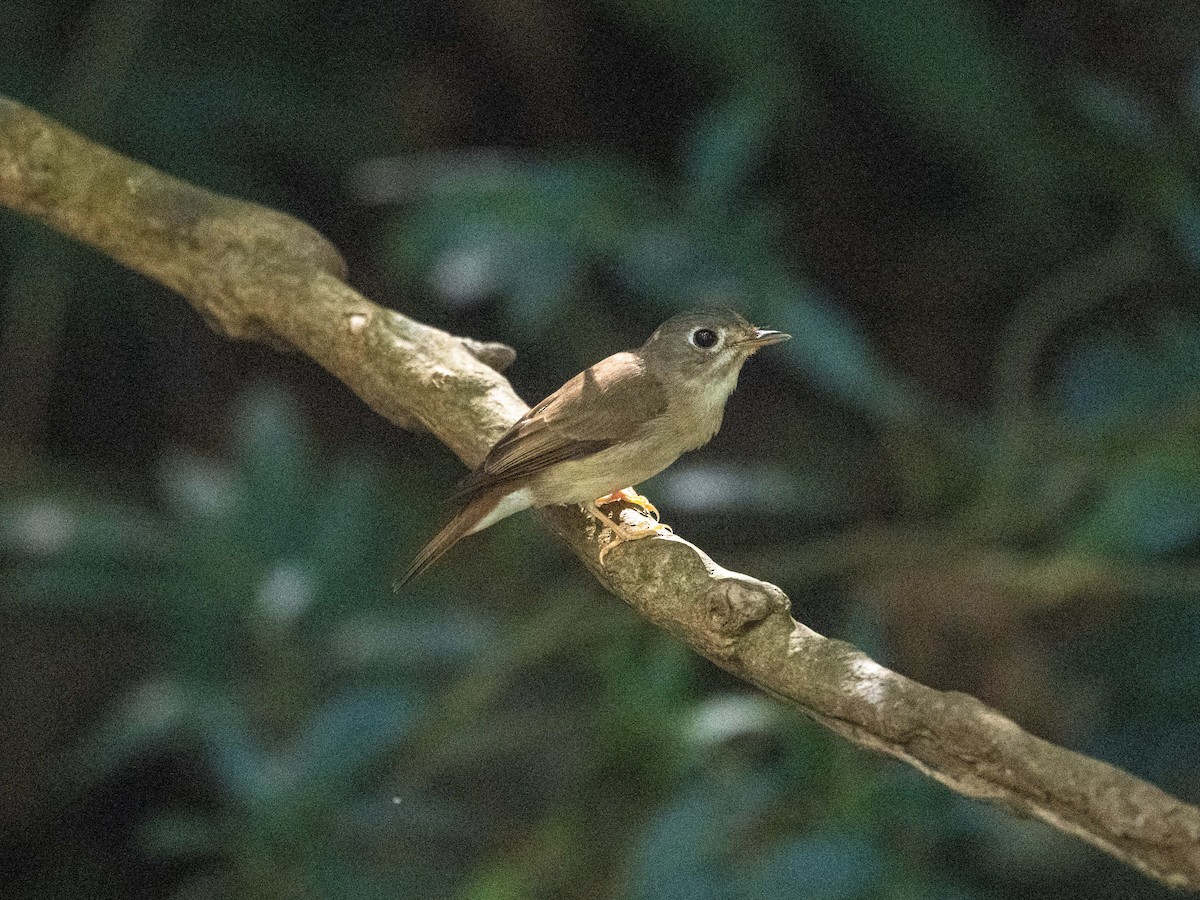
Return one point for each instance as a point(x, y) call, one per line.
point(1183, 209)
point(104, 534)
point(831, 349)
point(802, 491)
point(722, 719)
point(350, 731)
point(442, 641)
point(285, 591)
point(678, 857)
point(1150, 509)
point(941, 63)
point(1117, 111)
point(272, 515)
point(170, 713)
point(1113, 378)
point(83, 554)
point(727, 146)
point(353, 542)
point(528, 232)
point(830, 866)
point(196, 489)
point(688, 850)
point(254, 779)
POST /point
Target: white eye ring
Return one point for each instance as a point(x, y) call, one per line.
point(705, 339)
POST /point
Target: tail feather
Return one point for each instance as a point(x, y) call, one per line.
point(466, 521)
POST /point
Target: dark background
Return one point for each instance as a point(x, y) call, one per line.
point(978, 459)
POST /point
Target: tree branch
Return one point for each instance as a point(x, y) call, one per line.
point(256, 274)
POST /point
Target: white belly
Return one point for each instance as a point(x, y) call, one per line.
point(512, 503)
point(579, 481)
point(624, 465)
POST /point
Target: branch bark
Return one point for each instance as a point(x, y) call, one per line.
point(257, 274)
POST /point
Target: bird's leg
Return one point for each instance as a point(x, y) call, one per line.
point(630, 497)
point(620, 531)
point(633, 498)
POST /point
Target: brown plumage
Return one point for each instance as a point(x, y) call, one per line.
point(612, 426)
point(597, 409)
point(463, 523)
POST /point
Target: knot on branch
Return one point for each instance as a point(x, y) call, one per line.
point(494, 355)
point(736, 603)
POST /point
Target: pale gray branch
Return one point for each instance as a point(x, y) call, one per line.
point(261, 275)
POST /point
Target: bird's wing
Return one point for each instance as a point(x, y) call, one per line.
point(594, 410)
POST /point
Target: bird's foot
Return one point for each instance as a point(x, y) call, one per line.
point(621, 533)
point(633, 498)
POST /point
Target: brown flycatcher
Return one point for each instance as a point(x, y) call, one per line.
point(612, 426)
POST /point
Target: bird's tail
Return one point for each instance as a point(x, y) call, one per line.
point(466, 521)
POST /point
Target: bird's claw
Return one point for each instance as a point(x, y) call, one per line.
point(631, 497)
point(622, 533)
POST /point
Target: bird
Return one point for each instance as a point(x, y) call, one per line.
point(610, 427)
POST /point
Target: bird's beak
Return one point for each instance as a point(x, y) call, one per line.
point(764, 337)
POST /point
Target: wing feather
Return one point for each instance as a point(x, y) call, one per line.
point(600, 406)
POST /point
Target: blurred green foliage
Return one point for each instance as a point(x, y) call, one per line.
point(281, 679)
point(977, 459)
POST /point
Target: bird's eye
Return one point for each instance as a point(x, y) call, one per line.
point(704, 338)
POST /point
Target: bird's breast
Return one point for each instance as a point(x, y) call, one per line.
point(698, 414)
